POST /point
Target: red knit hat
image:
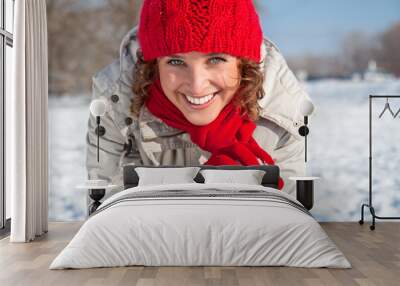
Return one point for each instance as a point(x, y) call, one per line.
point(178, 26)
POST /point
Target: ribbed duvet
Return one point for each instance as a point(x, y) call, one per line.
point(201, 224)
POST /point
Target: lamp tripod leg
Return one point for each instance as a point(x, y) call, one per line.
point(98, 137)
point(305, 146)
point(98, 141)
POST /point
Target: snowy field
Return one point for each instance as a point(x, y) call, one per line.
point(338, 151)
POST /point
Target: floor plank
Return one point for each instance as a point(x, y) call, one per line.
point(374, 255)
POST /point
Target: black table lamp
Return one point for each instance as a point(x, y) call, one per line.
point(306, 108)
point(98, 108)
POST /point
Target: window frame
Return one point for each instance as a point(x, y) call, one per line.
point(6, 39)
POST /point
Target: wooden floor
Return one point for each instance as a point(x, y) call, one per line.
point(374, 255)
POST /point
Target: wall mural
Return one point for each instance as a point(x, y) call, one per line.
point(135, 100)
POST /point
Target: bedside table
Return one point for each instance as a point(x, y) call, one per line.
point(96, 193)
point(305, 190)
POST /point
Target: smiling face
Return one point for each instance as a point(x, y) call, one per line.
point(200, 85)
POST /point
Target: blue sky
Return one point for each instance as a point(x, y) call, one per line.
point(317, 26)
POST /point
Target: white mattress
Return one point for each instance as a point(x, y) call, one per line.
point(189, 230)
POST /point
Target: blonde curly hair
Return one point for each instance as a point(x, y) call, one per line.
point(250, 90)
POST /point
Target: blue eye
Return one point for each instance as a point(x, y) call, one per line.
point(218, 59)
point(170, 62)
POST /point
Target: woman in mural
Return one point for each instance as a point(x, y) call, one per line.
point(197, 83)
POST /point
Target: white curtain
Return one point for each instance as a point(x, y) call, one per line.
point(27, 123)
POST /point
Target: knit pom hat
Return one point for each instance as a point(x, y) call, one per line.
point(210, 26)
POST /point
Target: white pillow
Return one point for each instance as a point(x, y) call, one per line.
point(249, 177)
point(162, 176)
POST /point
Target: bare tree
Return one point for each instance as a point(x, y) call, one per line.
point(358, 49)
point(317, 65)
point(389, 52)
point(83, 38)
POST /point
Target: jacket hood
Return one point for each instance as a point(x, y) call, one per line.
point(283, 93)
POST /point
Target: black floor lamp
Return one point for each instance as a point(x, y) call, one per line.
point(305, 184)
point(97, 188)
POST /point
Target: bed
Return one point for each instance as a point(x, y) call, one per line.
point(202, 222)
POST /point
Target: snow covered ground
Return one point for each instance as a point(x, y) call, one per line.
point(338, 151)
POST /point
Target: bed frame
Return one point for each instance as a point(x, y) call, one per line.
point(131, 178)
point(270, 178)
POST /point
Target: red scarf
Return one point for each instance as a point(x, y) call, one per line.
point(228, 138)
